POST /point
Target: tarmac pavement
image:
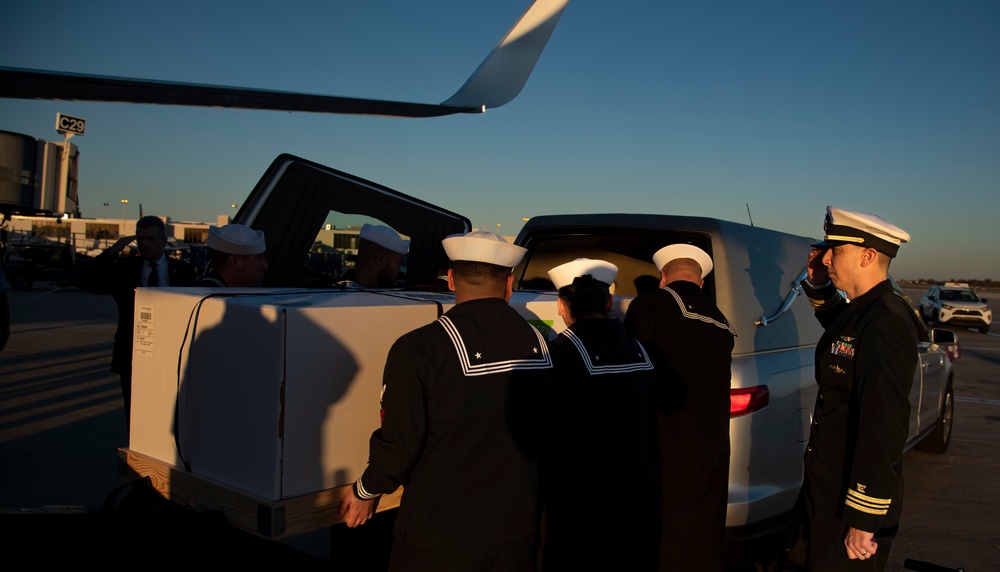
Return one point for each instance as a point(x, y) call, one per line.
point(61, 425)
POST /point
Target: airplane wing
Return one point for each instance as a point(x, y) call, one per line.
point(497, 81)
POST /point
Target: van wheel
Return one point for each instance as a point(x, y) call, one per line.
point(939, 438)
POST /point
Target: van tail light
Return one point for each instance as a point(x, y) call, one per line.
point(746, 400)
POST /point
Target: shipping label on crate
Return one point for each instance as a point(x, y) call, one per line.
point(144, 329)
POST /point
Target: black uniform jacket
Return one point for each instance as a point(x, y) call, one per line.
point(865, 363)
point(602, 411)
point(464, 406)
point(691, 344)
point(211, 280)
point(109, 273)
point(600, 436)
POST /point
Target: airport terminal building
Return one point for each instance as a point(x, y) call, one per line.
point(40, 207)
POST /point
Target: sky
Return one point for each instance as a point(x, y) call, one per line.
point(759, 112)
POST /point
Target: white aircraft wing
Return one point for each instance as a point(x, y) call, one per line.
point(497, 81)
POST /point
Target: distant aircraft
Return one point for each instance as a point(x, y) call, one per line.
point(495, 82)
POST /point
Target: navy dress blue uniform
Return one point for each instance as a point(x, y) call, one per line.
point(464, 407)
point(211, 279)
point(865, 363)
point(600, 435)
point(691, 344)
point(236, 257)
point(852, 493)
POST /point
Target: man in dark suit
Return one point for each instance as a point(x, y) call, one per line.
point(117, 275)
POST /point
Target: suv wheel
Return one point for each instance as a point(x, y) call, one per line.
point(984, 329)
point(939, 438)
point(937, 318)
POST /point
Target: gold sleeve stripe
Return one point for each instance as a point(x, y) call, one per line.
point(868, 510)
point(823, 304)
point(870, 505)
point(867, 504)
point(867, 499)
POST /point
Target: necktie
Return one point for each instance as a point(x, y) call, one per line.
point(152, 280)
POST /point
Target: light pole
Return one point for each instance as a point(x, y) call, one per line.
point(105, 210)
point(234, 205)
point(124, 202)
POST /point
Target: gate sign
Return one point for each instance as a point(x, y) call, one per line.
point(66, 124)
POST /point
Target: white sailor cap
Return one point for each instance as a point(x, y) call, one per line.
point(862, 229)
point(385, 237)
point(235, 239)
point(675, 251)
point(482, 246)
point(600, 270)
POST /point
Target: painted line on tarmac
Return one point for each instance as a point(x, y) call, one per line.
point(24, 329)
point(47, 292)
point(976, 400)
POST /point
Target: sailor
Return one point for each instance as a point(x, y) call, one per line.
point(380, 256)
point(691, 344)
point(600, 423)
point(464, 407)
point(236, 254)
point(865, 362)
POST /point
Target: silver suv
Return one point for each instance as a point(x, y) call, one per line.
point(955, 304)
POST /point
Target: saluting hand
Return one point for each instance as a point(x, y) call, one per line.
point(121, 243)
point(817, 272)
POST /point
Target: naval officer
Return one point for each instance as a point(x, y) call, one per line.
point(865, 361)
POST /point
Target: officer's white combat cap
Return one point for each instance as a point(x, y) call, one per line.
point(481, 246)
point(235, 239)
point(564, 274)
point(863, 229)
point(675, 251)
point(385, 237)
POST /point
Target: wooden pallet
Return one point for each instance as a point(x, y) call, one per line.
point(264, 518)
